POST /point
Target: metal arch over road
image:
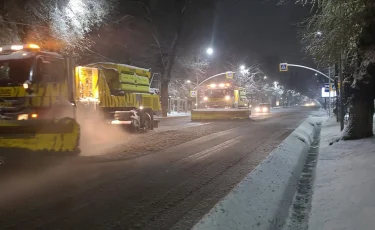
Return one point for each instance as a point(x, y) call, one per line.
point(305, 67)
point(216, 75)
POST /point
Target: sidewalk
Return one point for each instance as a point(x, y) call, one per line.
point(345, 183)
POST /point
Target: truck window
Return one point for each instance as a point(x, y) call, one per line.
point(49, 70)
point(15, 71)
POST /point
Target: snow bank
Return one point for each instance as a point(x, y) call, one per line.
point(344, 185)
point(175, 114)
point(262, 199)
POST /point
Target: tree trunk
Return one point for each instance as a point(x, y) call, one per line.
point(166, 77)
point(361, 113)
point(164, 97)
point(360, 120)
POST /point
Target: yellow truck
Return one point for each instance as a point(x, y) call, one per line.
point(224, 95)
point(43, 96)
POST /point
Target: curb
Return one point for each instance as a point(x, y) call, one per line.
point(262, 199)
point(163, 118)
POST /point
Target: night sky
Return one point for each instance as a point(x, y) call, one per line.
point(261, 30)
point(267, 33)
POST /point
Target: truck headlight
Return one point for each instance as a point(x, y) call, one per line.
point(23, 117)
point(227, 98)
point(257, 109)
point(265, 110)
point(205, 98)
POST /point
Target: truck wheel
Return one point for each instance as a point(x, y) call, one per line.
point(134, 127)
point(147, 122)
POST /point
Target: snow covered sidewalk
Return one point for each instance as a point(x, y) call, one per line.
point(344, 184)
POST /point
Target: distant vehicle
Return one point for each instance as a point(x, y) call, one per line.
point(224, 95)
point(263, 108)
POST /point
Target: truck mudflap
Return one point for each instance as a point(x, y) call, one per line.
point(220, 114)
point(47, 136)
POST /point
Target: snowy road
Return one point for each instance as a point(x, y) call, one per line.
point(167, 182)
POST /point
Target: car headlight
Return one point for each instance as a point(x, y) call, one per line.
point(205, 98)
point(227, 98)
point(265, 110)
point(257, 109)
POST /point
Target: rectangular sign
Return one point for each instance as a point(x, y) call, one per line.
point(283, 67)
point(326, 94)
point(193, 93)
point(229, 75)
point(326, 87)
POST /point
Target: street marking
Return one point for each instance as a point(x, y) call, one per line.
point(210, 151)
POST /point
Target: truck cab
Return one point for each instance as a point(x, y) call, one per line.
point(31, 82)
point(224, 95)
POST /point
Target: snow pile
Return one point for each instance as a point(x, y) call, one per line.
point(345, 180)
point(263, 198)
point(176, 114)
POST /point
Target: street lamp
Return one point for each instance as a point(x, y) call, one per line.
point(275, 83)
point(265, 77)
point(188, 81)
point(319, 33)
point(242, 67)
point(210, 51)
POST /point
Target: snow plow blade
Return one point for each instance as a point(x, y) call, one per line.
point(44, 136)
point(220, 114)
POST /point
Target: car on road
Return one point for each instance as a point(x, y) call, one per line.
point(263, 108)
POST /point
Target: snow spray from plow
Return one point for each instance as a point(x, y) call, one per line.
point(220, 114)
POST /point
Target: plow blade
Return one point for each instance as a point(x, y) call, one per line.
point(50, 136)
point(220, 114)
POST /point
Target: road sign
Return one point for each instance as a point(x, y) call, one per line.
point(229, 75)
point(326, 94)
point(193, 93)
point(326, 87)
point(283, 67)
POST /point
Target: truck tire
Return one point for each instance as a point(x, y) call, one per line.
point(147, 125)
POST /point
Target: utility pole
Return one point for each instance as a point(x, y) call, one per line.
point(337, 91)
point(341, 84)
point(329, 100)
point(341, 77)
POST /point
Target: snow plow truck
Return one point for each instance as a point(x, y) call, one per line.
point(222, 101)
point(43, 96)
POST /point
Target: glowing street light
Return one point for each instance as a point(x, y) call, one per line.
point(242, 67)
point(275, 83)
point(319, 33)
point(265, 77)
point(188, 81)
point(210, 51)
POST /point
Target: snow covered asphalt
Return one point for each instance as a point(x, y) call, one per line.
point(263, 198)
point(167, 179)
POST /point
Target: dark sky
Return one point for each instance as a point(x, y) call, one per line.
point(267, 33)
point(261, 30)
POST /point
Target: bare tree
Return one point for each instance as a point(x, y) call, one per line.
point(62, 25)
point(194, 65)
point(251, 78)
point(179, 88)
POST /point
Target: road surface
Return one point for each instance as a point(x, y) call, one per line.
point(169, 183)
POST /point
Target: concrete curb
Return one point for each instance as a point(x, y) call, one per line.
point(262, 199)
point(172, 117)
